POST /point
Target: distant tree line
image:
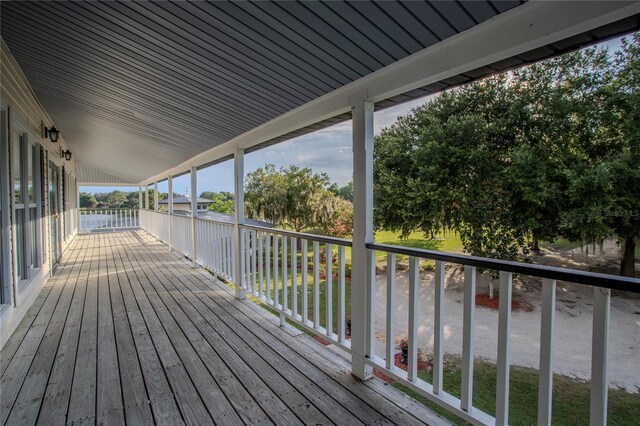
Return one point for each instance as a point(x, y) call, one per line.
point(114, 199)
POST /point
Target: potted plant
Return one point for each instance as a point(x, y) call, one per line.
point(404, 349)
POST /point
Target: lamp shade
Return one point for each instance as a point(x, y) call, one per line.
point(67, 155)
point(53, 133)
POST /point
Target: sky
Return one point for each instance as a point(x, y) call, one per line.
point(324, 151)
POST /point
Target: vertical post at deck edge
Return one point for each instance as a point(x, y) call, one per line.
point(238, 184)
point(363, 274)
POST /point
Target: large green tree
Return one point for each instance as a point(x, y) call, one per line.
point(116, 199)
point(545, 151)
point(222, 201)
point(292, 197)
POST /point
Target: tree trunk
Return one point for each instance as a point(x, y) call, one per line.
point(601, 245)
point(628, 264)
point(535, 243)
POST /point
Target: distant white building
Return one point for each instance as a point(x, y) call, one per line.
point(183, 203)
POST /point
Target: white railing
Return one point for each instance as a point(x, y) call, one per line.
point(463, 406)
point(155, 223)
point(214, 247)
point(108, 219)
point(273, 272)
point(297, 274)
point(181, 235)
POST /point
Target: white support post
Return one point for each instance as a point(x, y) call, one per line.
point(194, 213)
point(363, 276)
point(170, 211)
point(139, 198)
point(599, 351)
point(146, 197)
point(238, 186)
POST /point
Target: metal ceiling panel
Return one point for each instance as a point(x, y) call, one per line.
point(140, 87)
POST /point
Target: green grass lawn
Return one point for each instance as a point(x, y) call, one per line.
point(570, 396)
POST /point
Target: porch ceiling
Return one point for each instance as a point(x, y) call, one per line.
point(140, 87)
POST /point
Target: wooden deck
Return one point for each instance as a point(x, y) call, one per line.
point(126, 332)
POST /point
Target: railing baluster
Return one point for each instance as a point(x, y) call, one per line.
point(254, 255)
point(248, 260)
point(260, 264)
point(242, 271)
point(305, 281)
point(547, 320)
point(268, 267)
point(316, 285)
point(294, 277)
point(599, 352)
point(391, 310)
point(276, 282)
point(504, 349)
point(216, 249)
point(468, 337)
point(285, 292)
point(414, 286)
point(329, 288)
point(438, 328)
point(341, 294)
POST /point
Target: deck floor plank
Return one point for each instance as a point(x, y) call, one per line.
point(58, 390)
point(27, 403)
point(29, 365)
point(110, 405)
point(161, 397)
point(321, 390)
point(134, 393)
point(192, 407)
point(82, 403)
point(218, 354)
point(126, 332)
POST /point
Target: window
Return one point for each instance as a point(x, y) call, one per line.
point(26, 197)
point(17, 154)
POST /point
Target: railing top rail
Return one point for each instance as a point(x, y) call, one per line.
point(301, 235)
point(86, 209)
point(221, 222)
point(541, 271)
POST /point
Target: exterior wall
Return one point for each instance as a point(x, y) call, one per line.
point(22, 117)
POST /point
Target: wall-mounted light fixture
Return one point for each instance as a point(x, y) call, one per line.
point(52, 134)
point(65, 154)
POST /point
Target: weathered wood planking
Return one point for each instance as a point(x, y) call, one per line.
point(161, 396)
point(31, 364)
point(82, 404)
point(58, 388)
point(134, 394)
point(127, 332)
point(304, 375)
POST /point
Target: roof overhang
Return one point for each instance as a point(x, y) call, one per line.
point(115, 57)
